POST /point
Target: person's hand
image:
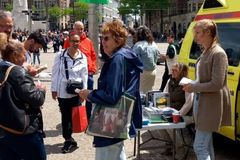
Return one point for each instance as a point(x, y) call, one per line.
point(32, 70)
point(84, 93)
point(54, 95)
point(163, 57)
point(187, 87)
point(40, 85)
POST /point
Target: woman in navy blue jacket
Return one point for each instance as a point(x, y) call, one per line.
point(120, 72)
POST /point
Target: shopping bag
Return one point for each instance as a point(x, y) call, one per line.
point(112, 121)
point(79, 119)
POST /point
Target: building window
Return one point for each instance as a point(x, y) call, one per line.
point(4, 5)
point(39, 4)
point(194, 7)
point(190, 7)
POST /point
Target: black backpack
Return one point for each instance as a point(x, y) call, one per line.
point(12, 118)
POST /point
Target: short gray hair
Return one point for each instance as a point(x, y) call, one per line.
point(4, 14)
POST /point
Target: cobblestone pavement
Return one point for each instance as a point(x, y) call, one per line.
point(85, 151)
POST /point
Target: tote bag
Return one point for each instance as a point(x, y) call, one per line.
point(79, 119)
point(112, 121)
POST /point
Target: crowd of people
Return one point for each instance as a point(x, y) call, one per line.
point(130, 59)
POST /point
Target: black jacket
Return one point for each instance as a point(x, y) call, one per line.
point(22, 91)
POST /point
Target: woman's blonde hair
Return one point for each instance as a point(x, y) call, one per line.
point(118, 31)
point(208, 25)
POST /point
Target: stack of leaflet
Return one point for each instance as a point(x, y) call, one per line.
point(153, 115)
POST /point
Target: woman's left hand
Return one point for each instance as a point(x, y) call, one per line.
point(84, 93)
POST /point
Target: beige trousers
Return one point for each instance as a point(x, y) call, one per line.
point(147, 81)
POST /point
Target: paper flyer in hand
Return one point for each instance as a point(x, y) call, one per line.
point(185, 80)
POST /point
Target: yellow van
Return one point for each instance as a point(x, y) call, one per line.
point(226, 13)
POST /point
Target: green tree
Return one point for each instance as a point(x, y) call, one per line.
point(55, 13)
point(140, 7)
point(129, 6)
point(34, 8)
point(81, 10)
point(9, 7)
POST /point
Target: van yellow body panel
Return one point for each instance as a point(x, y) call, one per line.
point(226, 16)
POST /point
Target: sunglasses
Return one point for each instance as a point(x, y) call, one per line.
point(105, 38)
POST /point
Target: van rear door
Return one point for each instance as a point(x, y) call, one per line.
point(229, 39)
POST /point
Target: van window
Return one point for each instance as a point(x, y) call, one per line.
point(211, 4)
point(195, 51)
point(228, 39)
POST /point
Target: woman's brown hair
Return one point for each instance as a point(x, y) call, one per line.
point(144, 33)
point(10, 49)
point(118, 31)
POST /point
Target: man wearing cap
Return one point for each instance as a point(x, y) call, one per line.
point(86, 46)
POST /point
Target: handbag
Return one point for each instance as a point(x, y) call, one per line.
point(79, 119)
point(72, 85)
point(13, 119)
point(112, 121)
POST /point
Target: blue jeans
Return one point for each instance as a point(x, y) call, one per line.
point(112, 152)
point(36, 56)
point(203, 145)
point(89, 104)
point(27, 147)
point(203, 142)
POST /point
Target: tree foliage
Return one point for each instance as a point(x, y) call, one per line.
point(55, 12)
point(9, 7)
point(141, 6)
point(79, 11)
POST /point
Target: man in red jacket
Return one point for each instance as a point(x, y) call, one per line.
point(86, 46)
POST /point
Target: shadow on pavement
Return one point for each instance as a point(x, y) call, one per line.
point(156, 149)
point(153, 149)
point(54, 133)
point(56, 149)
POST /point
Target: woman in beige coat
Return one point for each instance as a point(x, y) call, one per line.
point(212, 106)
